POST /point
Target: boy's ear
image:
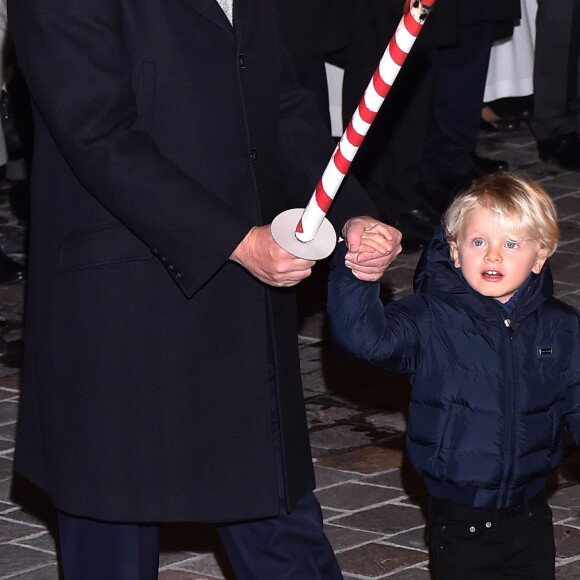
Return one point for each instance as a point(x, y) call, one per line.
point(540, 260)
point(455, 254)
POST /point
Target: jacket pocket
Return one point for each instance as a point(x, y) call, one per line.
point(99, 246)
point(453, 421)
point(555, 430)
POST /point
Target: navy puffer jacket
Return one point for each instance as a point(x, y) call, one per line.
point(490, 397)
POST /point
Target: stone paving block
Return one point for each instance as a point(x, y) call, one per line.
point(342, 539)
point(319, 413)
point(352, 496)
point(565, 516)
point(43, 542)
point(369, 459)
point(412, 574)
point(544, 174)
point(567, 204)
point(569, 571)
point(328, 513)
point(12, 530)
point(43, 573)
point(7, 394)
point(5, 469)
point(390, 478)
point(565, 178)
point(415, 539)
point(569, 232)
point(405, 478)
point(339, 437)
point(8, 431)
point(376, 560)
point(567, 541)
point(15, 559)
point(6, 447)
point(313, 326)
point(395, 420)
point(173, 557)
point(35, 520)
point(8, 411)
point(315, 386)
point(5, 490)
point(326, 476)
point(568, 497)
point(389, 519)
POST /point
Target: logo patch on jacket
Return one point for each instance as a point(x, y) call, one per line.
point(544, 351)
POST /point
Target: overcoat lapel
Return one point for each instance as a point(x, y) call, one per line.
point(213, 11)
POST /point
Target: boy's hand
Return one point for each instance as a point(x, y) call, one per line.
point(372, 246)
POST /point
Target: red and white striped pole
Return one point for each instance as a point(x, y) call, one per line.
point(314, 238)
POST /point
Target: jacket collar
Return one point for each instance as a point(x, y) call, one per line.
point(437, 275)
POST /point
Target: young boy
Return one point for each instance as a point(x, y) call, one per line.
point(494, 362)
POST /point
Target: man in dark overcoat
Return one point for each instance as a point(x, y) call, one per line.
point(161, 379)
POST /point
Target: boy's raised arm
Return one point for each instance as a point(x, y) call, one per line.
point(362, 326)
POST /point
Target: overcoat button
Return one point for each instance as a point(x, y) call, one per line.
point(472, 529)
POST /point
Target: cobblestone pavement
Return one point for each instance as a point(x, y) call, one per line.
point(373, 502)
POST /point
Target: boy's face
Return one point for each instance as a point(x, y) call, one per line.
point(495, 260)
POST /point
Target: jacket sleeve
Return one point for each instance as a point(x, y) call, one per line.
point(79, 76)
point(361, 325)
point(573, 391)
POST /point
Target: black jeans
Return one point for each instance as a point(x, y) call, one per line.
point(479, 544)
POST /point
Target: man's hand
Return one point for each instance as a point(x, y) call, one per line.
point(266, 260)
point(372, 246)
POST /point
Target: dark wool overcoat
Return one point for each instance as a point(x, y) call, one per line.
point(162, 136)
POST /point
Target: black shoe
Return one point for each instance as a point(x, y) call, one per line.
point(11, 271)
point(500, 126)
point(485, 165)
point(563, 151)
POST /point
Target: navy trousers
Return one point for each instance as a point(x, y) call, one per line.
point(94, 550)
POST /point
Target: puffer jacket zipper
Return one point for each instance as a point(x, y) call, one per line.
point(511, 382)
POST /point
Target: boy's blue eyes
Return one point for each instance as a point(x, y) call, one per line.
point(510, 244)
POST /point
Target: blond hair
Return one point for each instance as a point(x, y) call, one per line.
point(525, 204)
